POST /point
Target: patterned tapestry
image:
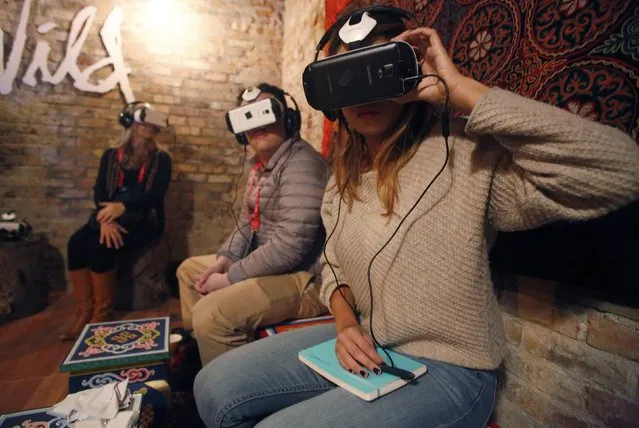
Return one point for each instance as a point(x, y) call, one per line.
point(580, 55)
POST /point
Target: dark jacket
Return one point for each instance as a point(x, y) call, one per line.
point(147, 197)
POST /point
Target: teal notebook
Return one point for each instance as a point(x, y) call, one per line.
point(323, 360)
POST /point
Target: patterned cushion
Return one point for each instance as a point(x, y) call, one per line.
point(292, 325)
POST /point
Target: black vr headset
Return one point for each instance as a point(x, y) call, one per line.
point(363, 74)
point(263, 113)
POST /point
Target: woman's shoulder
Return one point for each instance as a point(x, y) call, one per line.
point(107, 154)
point(164, 154)
point(164, 157)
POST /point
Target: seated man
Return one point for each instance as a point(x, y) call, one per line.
point(266, 271)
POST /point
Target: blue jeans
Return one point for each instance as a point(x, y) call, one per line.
point(264, 384)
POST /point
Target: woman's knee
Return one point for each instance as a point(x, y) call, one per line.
point(206, 390)
point(77, 248)
point(79, 241)
point(101, 257)
point(217, 387)
point(76, 242)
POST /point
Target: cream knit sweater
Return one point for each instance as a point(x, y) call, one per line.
point(517, 164)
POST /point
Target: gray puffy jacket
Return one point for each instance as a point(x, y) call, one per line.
point(290, 237)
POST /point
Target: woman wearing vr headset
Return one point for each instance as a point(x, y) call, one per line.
point(267, 271)
point(129, 197)
point(410, 226)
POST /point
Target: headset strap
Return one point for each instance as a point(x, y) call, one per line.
point(254, 220)
point(373, 9)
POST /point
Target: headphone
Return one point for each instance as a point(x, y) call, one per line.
point(125, 118)
point(356, 17)
point(292, 117)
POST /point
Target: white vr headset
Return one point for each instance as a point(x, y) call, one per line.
point(153, 117)
point(254, 115)
point(141, 112)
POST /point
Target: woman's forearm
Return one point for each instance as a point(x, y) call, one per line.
point(342, 305)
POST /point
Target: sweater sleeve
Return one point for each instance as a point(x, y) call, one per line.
point(155, 195)
point(332, 275)
point(302, 184)
point(100, 193)
point(557, 165)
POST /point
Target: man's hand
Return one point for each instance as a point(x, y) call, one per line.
point(221, 265)
point(213, 283)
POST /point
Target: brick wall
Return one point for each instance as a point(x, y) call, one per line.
point(190, 63)
point(303, 27)
point(570, 361)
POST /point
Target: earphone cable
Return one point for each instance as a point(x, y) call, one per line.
point(237, 223)
point(445, 134)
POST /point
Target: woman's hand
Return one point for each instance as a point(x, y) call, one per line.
point(111, 235)
point(464, 91)
point(355, 350)
point(110, 211)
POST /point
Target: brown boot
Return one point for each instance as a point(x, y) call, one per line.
point(103, 290)
point(83, 295)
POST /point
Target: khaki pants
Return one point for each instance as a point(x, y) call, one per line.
point(227, 318)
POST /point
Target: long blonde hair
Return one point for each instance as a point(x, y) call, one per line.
point(133, 159)
point(348, 154)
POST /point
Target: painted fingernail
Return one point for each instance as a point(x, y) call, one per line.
point(377, 371)
point(363, 373)
point(350, 370)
